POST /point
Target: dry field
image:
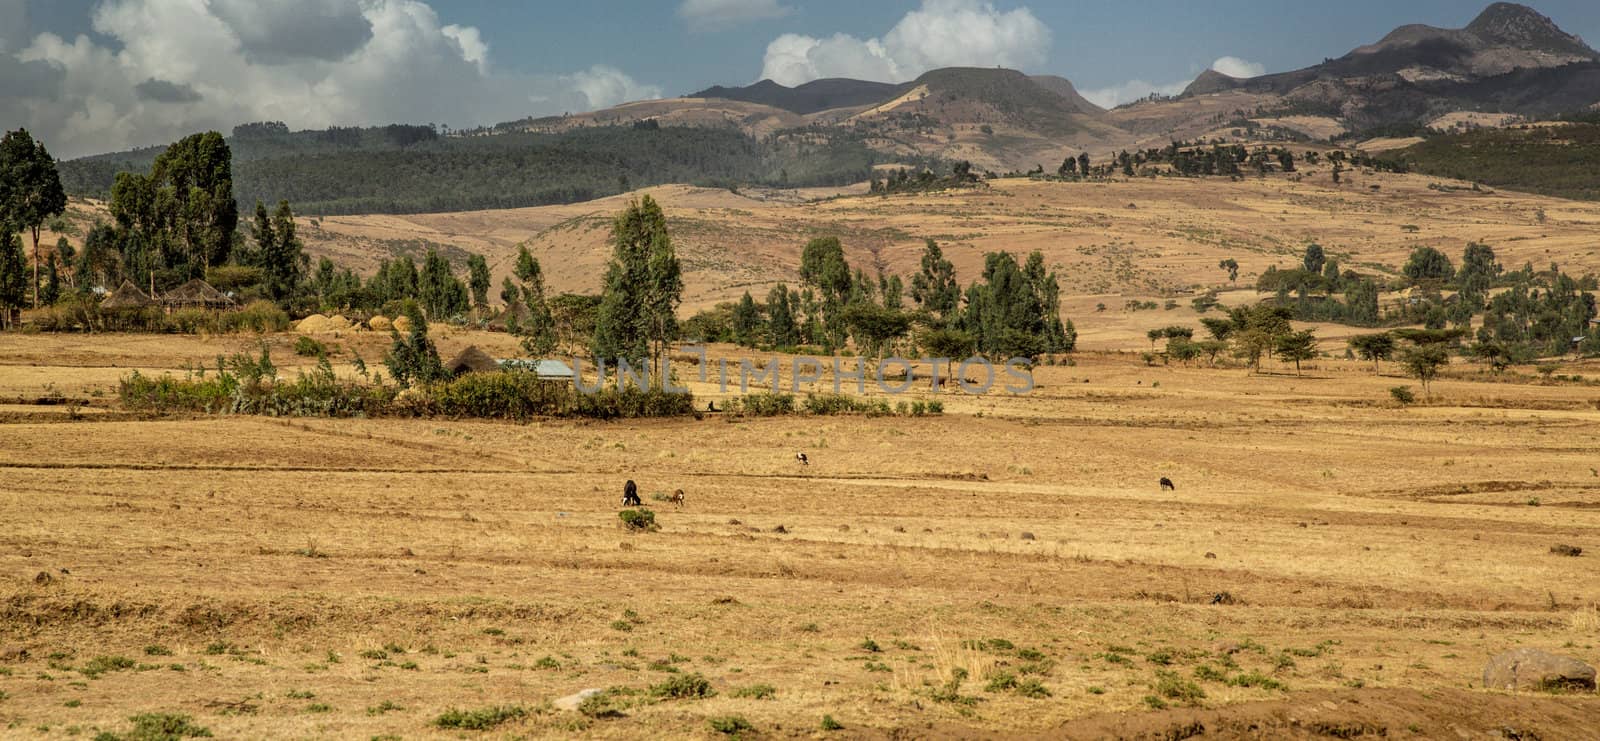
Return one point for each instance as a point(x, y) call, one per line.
point(1330, 564)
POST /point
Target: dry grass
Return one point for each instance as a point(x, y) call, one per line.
point(471, 565)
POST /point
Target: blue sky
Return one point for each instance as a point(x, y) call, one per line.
point(96, 75)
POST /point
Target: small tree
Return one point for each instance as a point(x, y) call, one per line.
point(478, 281)
point(1423, 362)
point(1295, 347)
point(1373, 347)
point(1232, 266)
point(413, 359)
point(30, 189)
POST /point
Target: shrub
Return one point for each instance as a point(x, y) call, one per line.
point(309, 348)
point(683, 687)
point(158, 727)
point(639, 520)
point(1402, 394)
point(730, 724)
point(1256, 679)
point(480, 719)
point(767, 404)
point(1174, 687)
point(1032, 689)
point(259, 316)
point(829, 724)
point(757, 692)
point(830, 404)
point(1001, 682)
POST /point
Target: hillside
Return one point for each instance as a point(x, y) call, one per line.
point(811, 97)
point(1555, 160)
point(414, 170)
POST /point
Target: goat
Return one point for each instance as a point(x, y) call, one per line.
point(804, 461)
point(1166, 484)
point(630, 494)
point(677, 498)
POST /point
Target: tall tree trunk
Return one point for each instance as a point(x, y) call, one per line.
point(35, 266)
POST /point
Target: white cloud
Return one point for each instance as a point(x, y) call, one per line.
point(1127, 92)
point(1132, 90)
point(178, 66)
point(941, 33)
point(1236, 67)
point(719, 15)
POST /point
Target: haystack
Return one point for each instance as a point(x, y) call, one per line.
point(196, 294)
point(127, 296)
point(472, 360)
point(314, 324)
point(380, 324)
point(402, 324)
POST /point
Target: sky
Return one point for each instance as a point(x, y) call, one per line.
point(89, 76)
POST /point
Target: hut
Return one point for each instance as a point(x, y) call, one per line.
point(127, 297)
point(196, 294)
point(471, 360)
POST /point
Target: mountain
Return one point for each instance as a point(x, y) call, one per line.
point(1510, 59)
point(811, 97)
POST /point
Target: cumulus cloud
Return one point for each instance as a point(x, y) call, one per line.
point(941, 33)
point(172, 67)
point(1236, 67)
point(1132, 90)
point(162, 91)
point(719, 15)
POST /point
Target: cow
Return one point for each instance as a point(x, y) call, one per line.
point(677, 498)
point(1166, 484)
point(630, 494)
point(804, 461)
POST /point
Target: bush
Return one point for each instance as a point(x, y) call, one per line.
point(829, 724)
point(767, 404)
point(632, 402)
point(158, 727)
point(1174, 687)
point(757, 692)
point(730, 725)
point(683, 687)
point(480, 719)
point(830, 404)
point(1402, 394)
point(257, 316)
point(1032, 689)
point(308, 348)
point(639, 520)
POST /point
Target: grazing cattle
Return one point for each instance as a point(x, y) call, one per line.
point(1166, 484)
point(630, 494)
point(804, 461)
point(677, 498)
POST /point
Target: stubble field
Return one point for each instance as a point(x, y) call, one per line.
point(1330, 564)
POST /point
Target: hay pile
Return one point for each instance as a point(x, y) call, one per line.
point(381, 324)
point(319, 324)
point(402, 324)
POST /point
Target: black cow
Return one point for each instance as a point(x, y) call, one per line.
point(1166, 484)
point(630, 495)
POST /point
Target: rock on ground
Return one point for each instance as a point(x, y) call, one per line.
point(1532, 669)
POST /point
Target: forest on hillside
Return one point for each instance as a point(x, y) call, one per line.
point(416, 169)
point(1550, 160)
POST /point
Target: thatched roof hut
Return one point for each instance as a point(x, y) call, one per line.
point(472, 360)
point(127, 296)
point(196, 294)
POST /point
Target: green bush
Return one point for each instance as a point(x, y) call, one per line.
point(757, 692)
point(480, 719)
point(829, 724)
point(767, 404)
point(1402, 394)
point(684, 687)
point(1174, 687)
point(639, 520)
point(158, 727)
point(307, 347)
point(829, 404)
point(731, 725)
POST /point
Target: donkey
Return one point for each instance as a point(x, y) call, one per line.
point(1166, 484)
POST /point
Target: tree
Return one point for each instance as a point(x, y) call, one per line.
point(52, 282)
point(874, 327)
point(1478, 271)
point(413, 359)
point(1219, 328)
point(1286, 159)
point(13, 274)
point(478, 281)
point(1427, 264)
point(950, 344)
point(1423, 362)
point(1257, 330)
point(934, 287)
point(1314, 258)
point(279, 252)
point(1373, 347)
point(642, 289)
point(1295, 347)
point(510, 295)
point(823, 267)
point(746, 321)
point(1154, 335)
point(783, 332)
point(30, 189)
point(1232, 266)
point(442, 295)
